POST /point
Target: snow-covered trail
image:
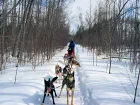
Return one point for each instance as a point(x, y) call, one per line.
point(93, 85)
point(101, 88)
point(29, 87)
point(58, 58)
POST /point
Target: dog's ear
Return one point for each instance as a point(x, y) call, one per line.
point(79, 64)
point(55, 78)
point(44, 80)
point(73, 74)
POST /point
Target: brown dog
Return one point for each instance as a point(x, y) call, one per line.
point(70, 83)
point(72, 62)
point(58, 71)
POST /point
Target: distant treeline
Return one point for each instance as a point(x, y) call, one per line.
point(115, 27)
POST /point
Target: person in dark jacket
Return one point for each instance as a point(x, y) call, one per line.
point(71, 47)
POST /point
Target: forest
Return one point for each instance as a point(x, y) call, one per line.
point(34, 29)
point(115, 29)
point(30, 29)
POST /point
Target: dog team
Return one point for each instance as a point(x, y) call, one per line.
point(66, 75)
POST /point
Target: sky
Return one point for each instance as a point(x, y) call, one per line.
point(79, 6)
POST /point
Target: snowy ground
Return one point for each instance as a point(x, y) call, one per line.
point(93, 85)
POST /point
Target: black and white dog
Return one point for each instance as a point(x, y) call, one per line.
point(49, 89)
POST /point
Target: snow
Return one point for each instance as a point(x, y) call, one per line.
point(94, 86)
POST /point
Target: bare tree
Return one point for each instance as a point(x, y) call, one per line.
point(31, 30)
